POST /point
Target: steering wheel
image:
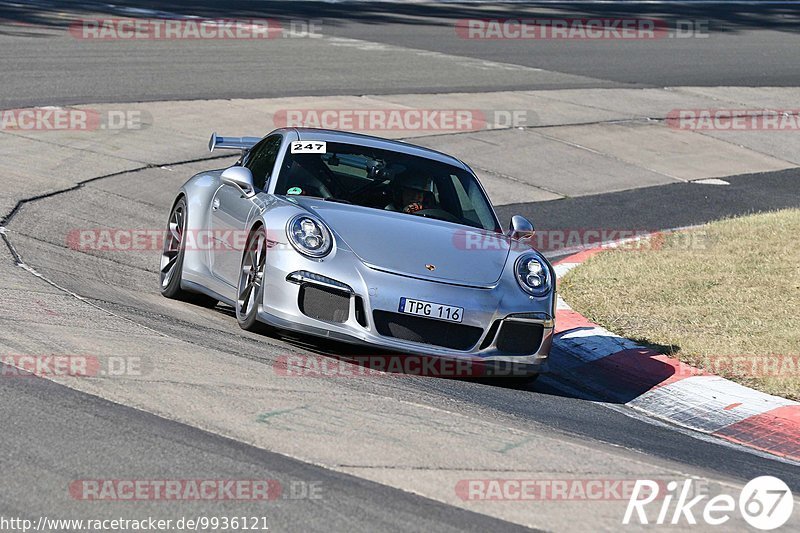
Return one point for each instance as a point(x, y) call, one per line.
point(436, 213)
point(366, 188)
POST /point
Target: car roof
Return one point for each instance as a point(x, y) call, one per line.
point(346, 137)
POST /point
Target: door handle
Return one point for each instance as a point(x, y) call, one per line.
point(215, 204)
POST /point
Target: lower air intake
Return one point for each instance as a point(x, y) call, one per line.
point(519, 338)
point(426, 330)
point(322, 303)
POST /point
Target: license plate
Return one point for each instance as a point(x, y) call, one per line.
point(431, 310)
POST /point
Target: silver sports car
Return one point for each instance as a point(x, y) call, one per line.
point(362, 240)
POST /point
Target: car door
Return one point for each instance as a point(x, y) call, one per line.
point(231, 210)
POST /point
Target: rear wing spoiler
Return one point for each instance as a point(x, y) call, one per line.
point(233, 143)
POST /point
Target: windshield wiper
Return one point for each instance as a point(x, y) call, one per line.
point(338, 200)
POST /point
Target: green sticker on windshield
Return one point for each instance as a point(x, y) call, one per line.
point(295, 190)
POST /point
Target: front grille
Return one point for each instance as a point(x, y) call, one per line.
point(323, 303)
point(519, 338)
point(426, 331)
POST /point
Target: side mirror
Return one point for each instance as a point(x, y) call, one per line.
point(241, 178)
point(520, 228)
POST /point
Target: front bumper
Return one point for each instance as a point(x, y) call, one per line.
point(490, 309)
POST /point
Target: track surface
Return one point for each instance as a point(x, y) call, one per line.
point(668, 206)
point(379, 49)
point(109, 441)
point(85, 423)
point(55, 434)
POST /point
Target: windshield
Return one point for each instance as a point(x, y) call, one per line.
point(387, 180)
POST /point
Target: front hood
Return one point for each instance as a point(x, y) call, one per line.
point(405, 244)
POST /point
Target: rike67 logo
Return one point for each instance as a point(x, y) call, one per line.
point(765, 503)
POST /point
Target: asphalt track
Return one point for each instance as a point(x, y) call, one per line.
point(52, 434)
point(102, 437)
point(674, 205)
point(381, 48)
point(89, 435)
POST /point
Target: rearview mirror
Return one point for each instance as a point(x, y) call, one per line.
point(520, 228)
point(239, 177)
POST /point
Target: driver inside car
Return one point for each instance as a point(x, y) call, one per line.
point(411, 194)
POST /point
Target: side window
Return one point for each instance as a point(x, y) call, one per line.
point(261, 159)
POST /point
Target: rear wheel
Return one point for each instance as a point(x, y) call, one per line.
point(250, 291)
point(171, 267)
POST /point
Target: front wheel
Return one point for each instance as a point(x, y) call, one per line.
point(171, 267)
point(250, 291)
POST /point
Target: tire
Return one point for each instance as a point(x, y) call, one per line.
point(172, 254)
point(250, 289)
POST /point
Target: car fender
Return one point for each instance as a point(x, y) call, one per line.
point(198, 191)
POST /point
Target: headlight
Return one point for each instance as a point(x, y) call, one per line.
point(533, 275)
point(309, 236)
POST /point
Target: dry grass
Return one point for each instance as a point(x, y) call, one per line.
point(726, 293)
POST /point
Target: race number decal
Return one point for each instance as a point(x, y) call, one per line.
point(308, 147)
